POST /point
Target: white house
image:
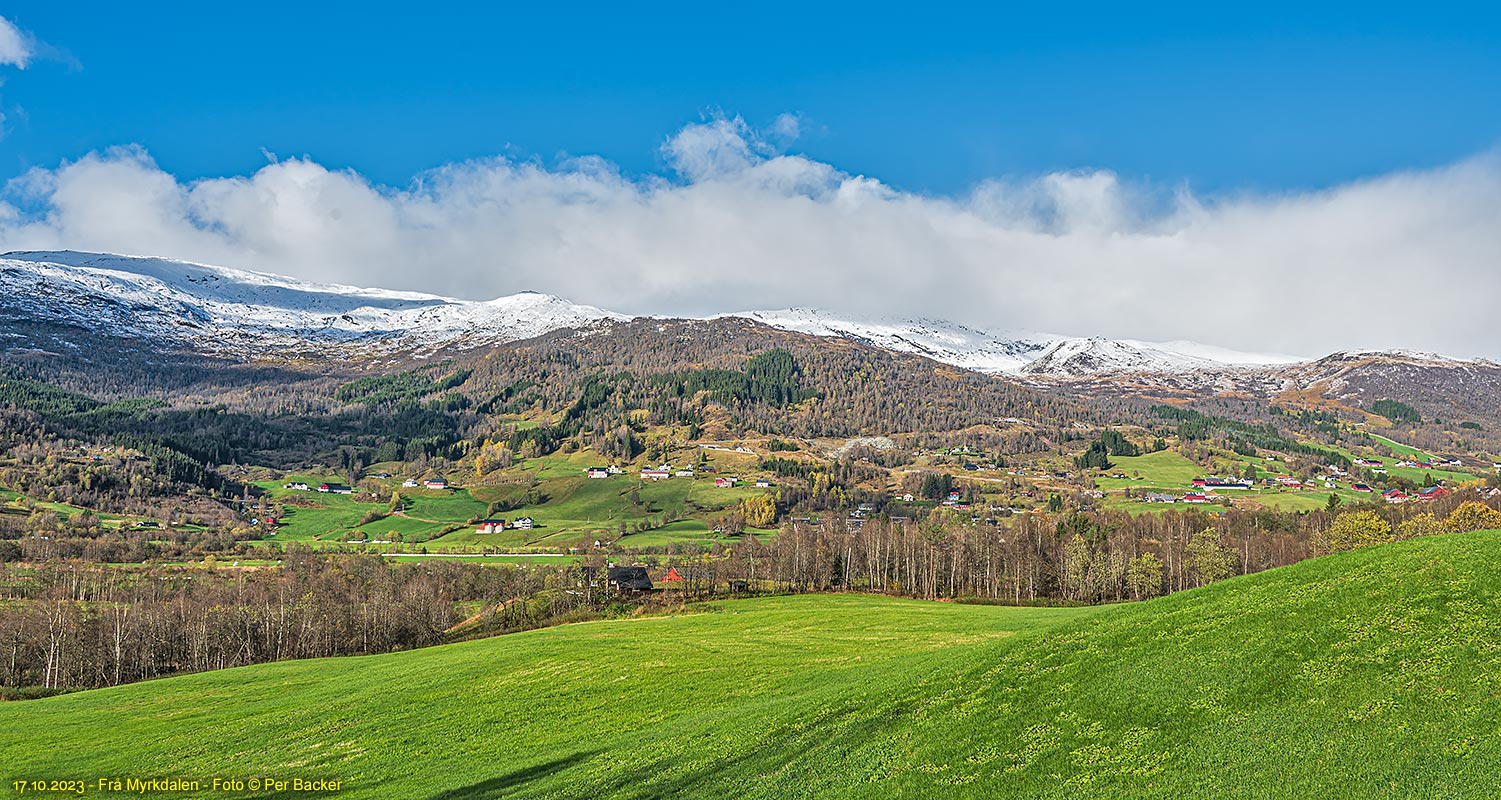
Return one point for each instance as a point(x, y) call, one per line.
point(655, 474)
point(523, 524)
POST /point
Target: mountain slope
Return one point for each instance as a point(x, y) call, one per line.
point(947, 342)
point(176, 305)
point(1039, 355)
point(230, 311)
point(1366, 674)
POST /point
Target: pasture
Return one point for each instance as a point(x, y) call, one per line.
point(1366, 674)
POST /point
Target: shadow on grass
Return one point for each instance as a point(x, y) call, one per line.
point(499, 786)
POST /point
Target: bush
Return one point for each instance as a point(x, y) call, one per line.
point(1351, 530)
point(1472, 516)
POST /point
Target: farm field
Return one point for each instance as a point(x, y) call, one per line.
point(1399, 448)
point(1169, 471)
point(12, 498)
point(1414, 474)
point(513, 559)
point(1370, 673)
point(572, 508)
point(578, 508)
point(1164, 469)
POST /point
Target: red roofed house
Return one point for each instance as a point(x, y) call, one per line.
point(1394, 496)
point(1433, 493)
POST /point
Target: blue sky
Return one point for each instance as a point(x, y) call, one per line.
point(929, 97)
point(1262, 177)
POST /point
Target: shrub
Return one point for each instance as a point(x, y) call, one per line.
point(1472, 516)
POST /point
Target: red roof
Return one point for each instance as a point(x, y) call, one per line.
point(672, 575)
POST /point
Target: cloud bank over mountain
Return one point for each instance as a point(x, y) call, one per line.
point(736, 221)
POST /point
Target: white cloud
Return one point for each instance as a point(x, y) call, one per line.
point(16, 48)
point(1406, 259)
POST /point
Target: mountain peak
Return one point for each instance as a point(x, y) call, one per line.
point(220, 309)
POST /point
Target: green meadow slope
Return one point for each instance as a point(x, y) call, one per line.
point(1375, 673)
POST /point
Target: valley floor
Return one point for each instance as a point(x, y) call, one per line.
point(1373, 673)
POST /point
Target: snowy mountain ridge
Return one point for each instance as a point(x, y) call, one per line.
point(239, 312)
point(1033, 354)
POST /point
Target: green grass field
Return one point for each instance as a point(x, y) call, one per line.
point(12, 498)
point(513, 559)
point(574, 508)
point(1164, 469)
point(1168, 471)
point(1400, 449)
point(577, 508)
point(1414, 474)
point(1367, 674)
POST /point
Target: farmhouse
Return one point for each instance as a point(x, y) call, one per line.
point(524, 524)
point(1360, 487)
point(1193, 497)
point(598, 472)
point(490, 526)
point(301, 487)
point(724, 483)
point(409, 483)
point(628, 579)
point(1394, 496)
point(762, 484)
point(335, 488)
point(1433, 493)
point(435, 483)
point(655, 474)
point(1160, 497)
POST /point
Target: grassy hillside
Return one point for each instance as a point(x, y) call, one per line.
point(1372, 674)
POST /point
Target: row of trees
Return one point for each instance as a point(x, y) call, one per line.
point(1105, 556)
point(72, 625)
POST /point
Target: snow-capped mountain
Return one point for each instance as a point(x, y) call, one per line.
point(1031, 354)
point(1095, 355)
point(225, 310)
point(947, 342)
point(178, 304)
